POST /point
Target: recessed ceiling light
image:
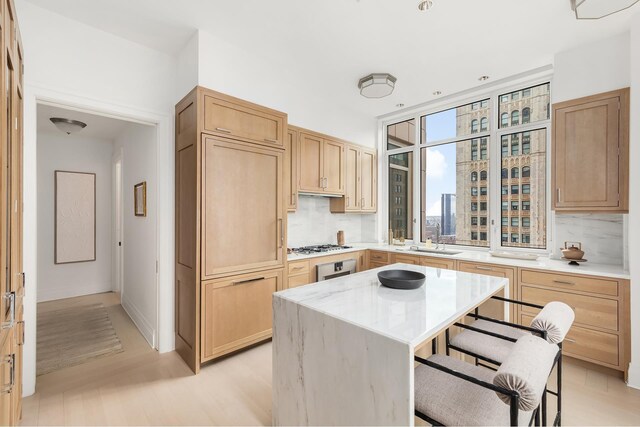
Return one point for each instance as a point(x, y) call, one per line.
point(483, 78)
point(436, 93)
point(424, 4)
point(400, 105)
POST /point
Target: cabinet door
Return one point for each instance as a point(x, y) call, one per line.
point(352, 179)
point(446, 264)
point(236, 311)
point(310, 163)
point(7, 379)
point(494, 308)
point(407, 259)
point(242, 207)
point(291, 170)
point(333, 167)
point(589, 154)
point(368, 180)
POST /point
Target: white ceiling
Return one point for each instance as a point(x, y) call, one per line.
point(335, 42)
point(98, 127)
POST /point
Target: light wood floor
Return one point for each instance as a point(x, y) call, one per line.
point(142, 387)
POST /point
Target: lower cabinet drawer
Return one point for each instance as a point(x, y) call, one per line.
point(299, 280)
point(374, 264)
point(583, 343)
point(236, 311)
point(407, 259)
point(589, 310)
point(446, 264)
point(379, 256)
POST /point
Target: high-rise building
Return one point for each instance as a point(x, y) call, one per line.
point(448, 214)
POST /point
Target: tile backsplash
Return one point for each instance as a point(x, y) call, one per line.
point(602, 236)
point(314, 224)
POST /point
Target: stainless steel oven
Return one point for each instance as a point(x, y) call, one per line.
point(336, 269)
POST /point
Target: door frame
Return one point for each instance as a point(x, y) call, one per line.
point(163, 121)
point(118, 219)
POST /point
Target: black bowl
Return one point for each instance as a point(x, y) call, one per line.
point(401, 279)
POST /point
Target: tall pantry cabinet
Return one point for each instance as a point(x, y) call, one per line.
point(230, 223)
point(11, 274)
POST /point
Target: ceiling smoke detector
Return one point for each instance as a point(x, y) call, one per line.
point(68, 126)
point(596, 9)
point(424, 4)
point(377, 85)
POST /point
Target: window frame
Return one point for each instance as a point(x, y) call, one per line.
point(494, 96)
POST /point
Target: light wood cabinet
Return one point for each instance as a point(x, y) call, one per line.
point(434, 262)
point(299, 274)
point(230, 223)
point(590, 153)
point(321, 165)
point(405, 259)
point(236, 311)
point(494, 308)
point(291, 169)
point(361, 182)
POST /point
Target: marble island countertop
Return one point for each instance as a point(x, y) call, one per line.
point(408, 316)
point(542, 263)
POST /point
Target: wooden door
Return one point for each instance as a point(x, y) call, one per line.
point(236, 311)
point(368, 180)
point(310, 163)
point(352, 179)
point(242, 211)
point(333, 167)
point(291, 170)
point(590, 163)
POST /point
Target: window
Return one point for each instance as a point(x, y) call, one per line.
point(401, 195)
point(504, 120)
point(526, 113)
point(514, 221)
point(483, 206)
point(526, 189)
point(483, 175)
point(484, 124)
point(504, 98)
point(474, 235)
point(514, 206)
point(505, 237)
point(515, 95)
point(483, 221)
point(483, 235)
point(515, 145)
point(457, 122)
point(526, 172)
point(526, 205)
point(474, 220)
point(526, 238)
point(401, 135)
point(474, 149)
point(474, 206)
point(505, 190)
point(536, 99)
point(505, 221)
point(474, 191)
point(474, 176)
point(483, 149)
point(505, 146)
point(505, 173)
point(526, 222)
point(514, 189)
point(505, 206)
point(474, 126)
point(515, 173)
point(526, 143)
point(475, 105)
point(483, 191)
point(514, 237)
point(526, 93)
point(484, 103)
point(515, 118)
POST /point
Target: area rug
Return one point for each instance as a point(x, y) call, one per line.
point(73, 336)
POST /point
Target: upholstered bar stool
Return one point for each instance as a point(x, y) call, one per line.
point(449, 391)
point(492, 340)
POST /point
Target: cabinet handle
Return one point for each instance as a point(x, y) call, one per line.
point(11, 297)
point(563, 282)
point(255, 279)
point(11, 360)
point(281, 233)
point(223, 130)
point(321, 182)
point(484, 268)
point(326, 182)
point(347, 201)
point(298, 268)
point(558, 195)
point(273, 141)
point(21, 323)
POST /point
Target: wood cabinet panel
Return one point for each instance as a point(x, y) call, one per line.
point(593, 312)
point(590, 153)
point(494, 308)
point(298, 267)
point(310, 163)
point(361, 182)
point(291, 170)
point(333, 167)
point(376, 264)
point(239, 119)
point(352, 179)
point(242, 207)
point(379, 256)
point(570, 282)
point(369, 180)
point(299, 280)
point(446, 264)
point(406, 259)
point(6, 399)
point(236, 311)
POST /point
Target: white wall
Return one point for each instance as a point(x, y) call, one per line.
point(587, 70)
point(77, 154)
point(634, 203)
point(187, 70)
point(138, 145)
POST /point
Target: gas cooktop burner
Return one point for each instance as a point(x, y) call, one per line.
point(306, 250)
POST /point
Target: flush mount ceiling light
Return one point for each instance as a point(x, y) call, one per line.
point(424, 4)
point(596, 9)
point(377, 85)
point(68, 126)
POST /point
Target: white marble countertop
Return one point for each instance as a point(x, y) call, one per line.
point(408, 316)
point(542, 263)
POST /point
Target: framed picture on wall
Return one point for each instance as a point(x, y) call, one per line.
point(75, 217)
point(140, 199)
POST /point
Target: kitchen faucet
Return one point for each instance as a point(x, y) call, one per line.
point(438, 238)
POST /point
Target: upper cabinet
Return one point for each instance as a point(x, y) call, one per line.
point(321, 165)
point(360, 182)
point(590, 155)
point(291, 169)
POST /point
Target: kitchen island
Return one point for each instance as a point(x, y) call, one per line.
point(343, 349)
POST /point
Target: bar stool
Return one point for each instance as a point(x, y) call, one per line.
point(449, 391)
point(492, 340)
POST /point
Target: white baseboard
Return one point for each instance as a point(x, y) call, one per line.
point(144, 326)
point(71, 292)
point(634, 376)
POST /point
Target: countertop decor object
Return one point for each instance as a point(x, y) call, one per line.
point(401, 279)
point(574, 254)
point(340, 238)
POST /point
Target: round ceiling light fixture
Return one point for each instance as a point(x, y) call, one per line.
point(68, 126)
point(377, 85)
point(425, 4)
point(596, 9)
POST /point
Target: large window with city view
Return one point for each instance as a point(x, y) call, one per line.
point(458, 200)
